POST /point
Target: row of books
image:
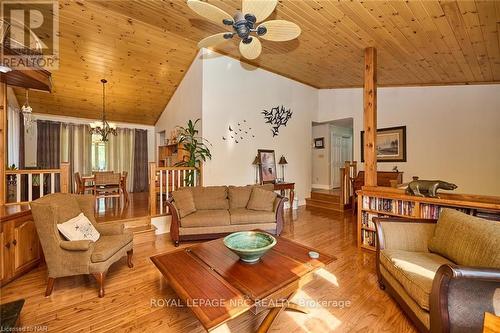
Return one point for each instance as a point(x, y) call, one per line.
point(428, 211)
point(368, 238)
point(367, 220)
point(389, 205)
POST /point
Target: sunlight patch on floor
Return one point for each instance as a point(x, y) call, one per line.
point(319, 318)
point(327, 276)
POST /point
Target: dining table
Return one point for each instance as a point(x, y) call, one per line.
point(89, 180)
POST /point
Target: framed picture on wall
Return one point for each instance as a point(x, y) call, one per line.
point(267, 167)
point(391, 144)
point(319, 143)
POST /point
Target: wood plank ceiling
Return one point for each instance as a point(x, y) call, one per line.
point(144, 47)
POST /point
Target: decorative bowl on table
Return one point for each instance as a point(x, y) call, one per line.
point(250, 246)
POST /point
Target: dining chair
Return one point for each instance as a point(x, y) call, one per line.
point(81, 187)
point(107, 185)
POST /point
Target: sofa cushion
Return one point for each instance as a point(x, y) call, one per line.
point(262, 200)
point(414, 271)
point(206, 218)
point(184, 201)
point(78, 228)
point(239, 196)
point(467, 240)
point(210, 197)
point(107, 246)
point(248, 216)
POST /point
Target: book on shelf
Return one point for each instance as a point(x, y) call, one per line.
point(399, 207)
point(369, 238)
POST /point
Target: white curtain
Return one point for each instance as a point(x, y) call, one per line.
point(13, 132)
point(76, 146)
point(120, 154)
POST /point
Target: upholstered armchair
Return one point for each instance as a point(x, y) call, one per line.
point(445, 275)
point(67, 258)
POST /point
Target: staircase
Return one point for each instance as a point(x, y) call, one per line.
point(141, 227)
point(328, 200)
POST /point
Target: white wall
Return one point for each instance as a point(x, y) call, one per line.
point(234, 92)
point(453, 132)
point(185, 104)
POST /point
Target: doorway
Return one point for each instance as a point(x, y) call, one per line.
point(327, 160)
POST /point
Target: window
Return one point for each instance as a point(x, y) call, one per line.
point(98, 153)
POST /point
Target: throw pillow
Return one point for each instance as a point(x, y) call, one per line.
point(467, 240)
point(184, 201)
point(262, 200)
point(239, 196)
point(78, 228)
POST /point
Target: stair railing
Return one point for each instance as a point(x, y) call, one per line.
point(348, 173)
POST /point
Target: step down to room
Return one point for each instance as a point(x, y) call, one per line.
point(324, 200)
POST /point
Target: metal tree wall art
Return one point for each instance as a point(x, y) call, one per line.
point(277, 117)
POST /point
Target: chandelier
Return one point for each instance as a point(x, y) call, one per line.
point(103, 127)
point(27, 110)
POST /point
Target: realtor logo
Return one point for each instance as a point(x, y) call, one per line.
point(29, 35)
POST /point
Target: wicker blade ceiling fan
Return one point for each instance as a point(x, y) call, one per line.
point(244, 25)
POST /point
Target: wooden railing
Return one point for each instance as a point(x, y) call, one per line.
point(164, 180)
point(347, 173)
point(47, 181)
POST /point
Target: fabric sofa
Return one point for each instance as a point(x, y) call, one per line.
point(219, 210)
point(444, 275)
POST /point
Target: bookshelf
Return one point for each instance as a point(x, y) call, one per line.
point(391, 202)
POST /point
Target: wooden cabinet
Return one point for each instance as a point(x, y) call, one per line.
point(20, 248)
point(171, 154)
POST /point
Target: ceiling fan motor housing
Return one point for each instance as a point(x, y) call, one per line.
point(243, 25)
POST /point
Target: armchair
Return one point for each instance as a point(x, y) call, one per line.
point(436, 290)
point(67, 258)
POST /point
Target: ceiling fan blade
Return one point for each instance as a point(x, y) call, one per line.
point(251, 50)
point(280, 30)
point(260, 8)
point(208, 11)
point(212, 40)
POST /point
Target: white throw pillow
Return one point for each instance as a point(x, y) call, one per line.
point(79, 228)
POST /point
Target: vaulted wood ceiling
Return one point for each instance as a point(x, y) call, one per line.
point(144, 48)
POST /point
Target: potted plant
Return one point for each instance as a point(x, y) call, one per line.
point(196, 148)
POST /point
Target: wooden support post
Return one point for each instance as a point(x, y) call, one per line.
point(65, 178)
point(370, 116)
point(3, 140)
point(152, 188)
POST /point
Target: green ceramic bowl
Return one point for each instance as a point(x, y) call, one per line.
point(250, 246)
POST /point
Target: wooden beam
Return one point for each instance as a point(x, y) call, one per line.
point(3, 140)
point(370, 116)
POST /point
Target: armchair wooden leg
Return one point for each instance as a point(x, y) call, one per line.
point(50, 286)
point(129, 258)
point(100, 276)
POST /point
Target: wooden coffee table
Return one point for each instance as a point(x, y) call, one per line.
point(218, 287)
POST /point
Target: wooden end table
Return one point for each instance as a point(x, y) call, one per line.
point(218, 287)
point(282, 187)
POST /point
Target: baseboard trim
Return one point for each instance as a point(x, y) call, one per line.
point(321, 187)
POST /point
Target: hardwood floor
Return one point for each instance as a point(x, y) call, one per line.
point(110, 209)
point(130, 293)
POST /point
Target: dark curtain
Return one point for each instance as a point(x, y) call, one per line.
point(48, 154)
point(141, 161)
point(24, 178)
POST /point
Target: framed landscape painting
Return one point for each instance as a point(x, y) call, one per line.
point(391, 144)
point(267, 166)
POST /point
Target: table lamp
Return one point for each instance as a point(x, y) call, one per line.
point(256, 163)
point(282, 162)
